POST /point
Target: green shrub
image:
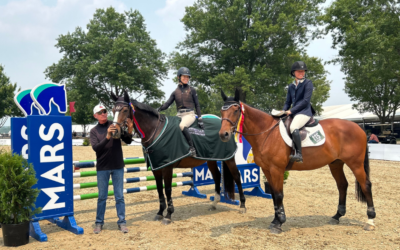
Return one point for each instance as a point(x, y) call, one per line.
point(17, 198)
point(286, 175)
point(86, 142)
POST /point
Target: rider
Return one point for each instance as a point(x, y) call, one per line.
point(299, 97)
point(186, 101)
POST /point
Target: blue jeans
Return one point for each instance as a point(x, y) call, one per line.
point(103, 178)
point(372, 141)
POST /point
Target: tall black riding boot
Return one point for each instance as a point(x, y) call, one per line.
point(186, 133)
point(297, 157)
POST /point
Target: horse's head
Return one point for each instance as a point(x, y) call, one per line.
point(230, 114)
point(122, 111)
point(25, 103)
point(50, 98)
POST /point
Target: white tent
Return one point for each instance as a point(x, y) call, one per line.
point(79, 128)
point(346, 112)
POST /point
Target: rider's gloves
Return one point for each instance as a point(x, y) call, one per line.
point(200, 122)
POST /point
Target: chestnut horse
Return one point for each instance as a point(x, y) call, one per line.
point(149, 122)
point(346, 143)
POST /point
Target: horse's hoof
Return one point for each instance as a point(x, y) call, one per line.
point(333, 221)
point(369, 227)
point(276, 230)
point(166, 221)
point(158, 217)
point(242, 210)
point(212, 208)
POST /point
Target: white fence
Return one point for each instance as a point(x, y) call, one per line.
point(389, 152)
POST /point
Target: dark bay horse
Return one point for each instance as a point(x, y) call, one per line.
point(150, 123)
point(346, 143)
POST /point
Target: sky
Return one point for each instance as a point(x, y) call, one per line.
point(29, 29)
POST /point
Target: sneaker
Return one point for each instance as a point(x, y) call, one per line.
point(97, 228)
point(123, 228)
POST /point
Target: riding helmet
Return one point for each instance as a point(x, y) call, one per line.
point(299, 65)
point(183, 72)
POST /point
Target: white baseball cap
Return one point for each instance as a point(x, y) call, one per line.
point(98, 108)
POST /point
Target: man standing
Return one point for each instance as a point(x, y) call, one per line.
point(110, 162)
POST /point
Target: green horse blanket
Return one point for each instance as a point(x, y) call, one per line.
point(171, 146)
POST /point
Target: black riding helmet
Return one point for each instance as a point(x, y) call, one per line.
point(299, 65)
point(183, 72)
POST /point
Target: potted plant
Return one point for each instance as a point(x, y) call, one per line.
point(266, 184)
point(17, 198)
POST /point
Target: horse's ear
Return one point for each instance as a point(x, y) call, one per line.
point(224, 97)
point(237, 94)
point(113, 96)
point(126, 97)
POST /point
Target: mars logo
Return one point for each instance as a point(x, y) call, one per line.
point(47, 135)
point(25, 103)
point(50, 98)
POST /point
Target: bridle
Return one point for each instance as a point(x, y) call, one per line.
point(124, 125)
point(234, 124)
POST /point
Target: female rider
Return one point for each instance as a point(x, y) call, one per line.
point(299, 97)
point(186, 101)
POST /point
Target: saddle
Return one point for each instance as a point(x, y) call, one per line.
point(303, 132)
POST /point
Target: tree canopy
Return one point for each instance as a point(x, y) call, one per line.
point(7, 105)
point(250, 45)
point(367, 35)
point(116, 53)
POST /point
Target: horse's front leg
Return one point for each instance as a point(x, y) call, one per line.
point(213, 167)
point(167, 173)
point(276, 185)
point(236, 177)
point(161, 197)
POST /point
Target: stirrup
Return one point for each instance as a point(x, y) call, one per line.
point(296, 158)
point(192, 151)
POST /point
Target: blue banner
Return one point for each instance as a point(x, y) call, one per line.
point(50, 152)
point(249, 175)
point(19, 136)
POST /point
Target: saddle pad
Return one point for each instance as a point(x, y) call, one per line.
point(171, 146)
point(315, 136)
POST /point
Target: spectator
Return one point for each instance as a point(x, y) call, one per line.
point(372, 138)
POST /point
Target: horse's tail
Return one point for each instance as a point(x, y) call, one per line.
point(229, 183)
point(359, 193)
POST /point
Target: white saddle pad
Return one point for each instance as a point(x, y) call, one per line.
point(315, 136)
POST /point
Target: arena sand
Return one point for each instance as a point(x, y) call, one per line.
point(310, 200)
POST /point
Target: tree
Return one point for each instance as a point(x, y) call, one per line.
point(84, 104)
point(247, 44)
point(116, 53)
point(7, 105)
point(367, 34)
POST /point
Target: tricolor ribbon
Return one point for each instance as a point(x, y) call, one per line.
point(238, 136)
point(142, 135)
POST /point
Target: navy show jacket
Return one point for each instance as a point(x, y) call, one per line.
point(299, 98)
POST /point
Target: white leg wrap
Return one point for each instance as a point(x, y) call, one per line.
point(370, 222)
point(217, 198)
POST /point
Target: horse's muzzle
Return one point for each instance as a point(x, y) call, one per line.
point(224, 136)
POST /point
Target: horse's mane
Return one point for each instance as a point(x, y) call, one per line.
point(147, 108)
point(231, 100)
